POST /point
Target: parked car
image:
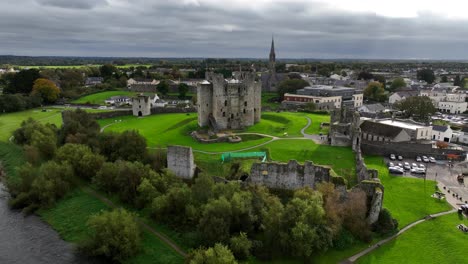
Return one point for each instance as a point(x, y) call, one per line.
point(407, 166)
point(392, 157)
point(425, 159)
point(418, 159)
point(421, 166)
point(418, 171)
point(400, 165)
point(414, 165)
point(400, 158)
point(432, 160)
point(390, 164)
point(395, 170)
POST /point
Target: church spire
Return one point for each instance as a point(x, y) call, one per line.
point(272, 62)
point(272, 51)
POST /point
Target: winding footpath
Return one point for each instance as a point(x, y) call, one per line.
point(352, 259)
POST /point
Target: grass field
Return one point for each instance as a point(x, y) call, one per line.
point(434, 241)
point(99, 98)
point(11, 156)
point(406, 198)
point(11, 121)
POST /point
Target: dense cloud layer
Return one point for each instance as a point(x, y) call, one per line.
point(234, 28)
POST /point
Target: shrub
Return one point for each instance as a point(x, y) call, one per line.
point(115, 235)
point(219, 254)
point(386, 224)
point(240, 246)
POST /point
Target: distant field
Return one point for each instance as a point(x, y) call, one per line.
point(434, 241)
point(99, 98)
point(77, 66)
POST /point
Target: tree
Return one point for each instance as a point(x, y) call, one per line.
point(381, 79)
point(163, 87)
point(215, 222)
point(114, 234)
point(183, 89)
point(419, 107)
point(291, 86)
point(386, 224)
point(444, 79)
point(375, 91)
point(108, 71)
point(365, 76)
point(84, 162)
point(22, 82)
point(240, 246)
point(354, 215)
point(426, 75)
point(397, 84)
point(170, 207)
point(457, 81)
point(78, 127)
point(219, 254)
point(46, 89)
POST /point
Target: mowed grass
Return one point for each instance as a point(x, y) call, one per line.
point(434, 241)
point(173, 129)
point(99, 98)
point(406, 198)
point(11, 157)
point(11, 121)
point(277, 124)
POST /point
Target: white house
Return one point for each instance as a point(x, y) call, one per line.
point(401, 95)
point(372, 108)
point(442, 133)
point(452, 107)
point(157, 102)
point(118, 100)
point(462, 136)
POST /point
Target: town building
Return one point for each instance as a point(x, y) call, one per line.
point(442, 133)
point(452, 107)
point(372, 109)
point(394, 130)
point(118, 100)
point(142, 85)
point(229, 103)
point(401, 95)
point(325, 94)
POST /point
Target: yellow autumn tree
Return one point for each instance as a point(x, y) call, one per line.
point(46, 89)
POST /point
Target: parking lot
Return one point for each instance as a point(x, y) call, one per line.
point(442, 172)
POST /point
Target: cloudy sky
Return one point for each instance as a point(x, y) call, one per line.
point(388, 29)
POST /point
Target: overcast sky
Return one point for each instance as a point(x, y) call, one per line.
point(387, 29)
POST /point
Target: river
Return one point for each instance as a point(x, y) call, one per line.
point(28, 240)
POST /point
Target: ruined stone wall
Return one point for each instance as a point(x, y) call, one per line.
point(289, 176)
point(204, 103)
point(374, 191)
point(362, 172)
point(180, 161)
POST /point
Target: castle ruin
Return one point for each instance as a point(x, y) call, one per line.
point(141, 105)
point(229, 103)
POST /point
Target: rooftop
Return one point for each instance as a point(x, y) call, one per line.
point(401, 124)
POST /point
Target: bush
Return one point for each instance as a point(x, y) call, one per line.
point(386, 224)
point(219, 254)
point(240, 246)
point(84, 162)
point(115, 235)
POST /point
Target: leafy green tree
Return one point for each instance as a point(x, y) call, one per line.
point(219, 254)
point(78, 127)
point(170, 207)
point(444, 79)
point(354, 215)
point(381, 79)
point(375, 91)
point(202, 189)
point(240, 246)
point(85, 163)
point(426, 75)
point(115, 235)
point(457, 81)
point(386, 224)
point(42, 137)
point(291, 86)
point(163, 87)
point(53, 182)
point(215, 222)
point(397, 84)
point(364, 75)
point(183, 89)
point(108, 70)
point(419, 107)
point(22, 82)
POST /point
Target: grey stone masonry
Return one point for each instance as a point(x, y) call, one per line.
point(229, 103)
point(290, 176)
point(180, 161)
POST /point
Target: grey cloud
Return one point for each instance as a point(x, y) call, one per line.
point(80, 4)
point(197, 29)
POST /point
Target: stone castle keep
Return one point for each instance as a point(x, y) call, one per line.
point(229, 103)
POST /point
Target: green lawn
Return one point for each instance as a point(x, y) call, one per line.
point(173, 129)
point(11, 157)
point(11, 121)
point(406, 198)
point(99, 98)
point(277, 124)
point(434, 241)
